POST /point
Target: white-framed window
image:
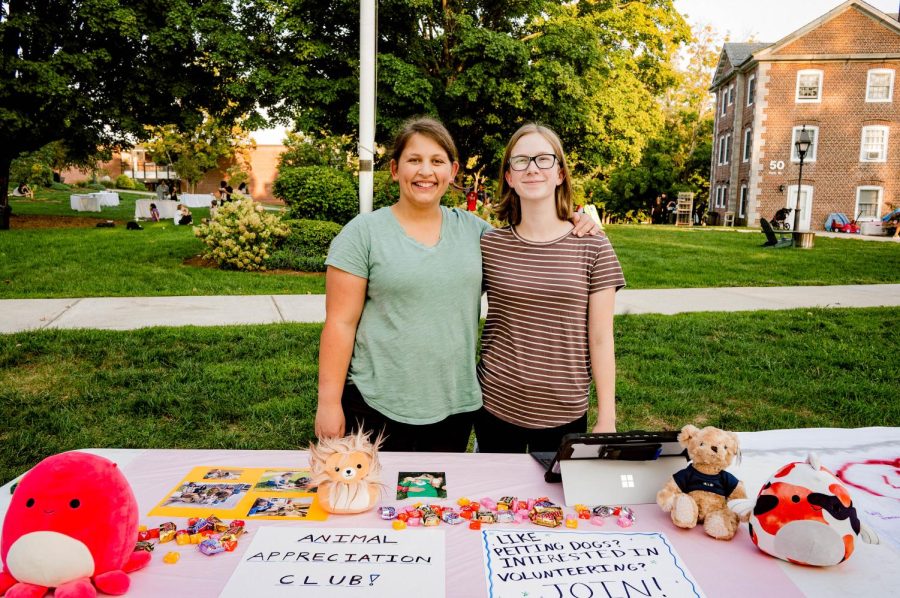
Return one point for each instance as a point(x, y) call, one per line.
point(748, 140)
point(813, 147)
point(724, 150)
point(874, 144)
point(868, 203)
point(731, 94)
point(742, 210)
point(751, 90)
point(880, 85)
point(809, 86)
point(721, 196)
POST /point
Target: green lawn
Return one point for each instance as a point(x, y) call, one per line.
point(48, 202)
point(88, 262)
point(254, 387)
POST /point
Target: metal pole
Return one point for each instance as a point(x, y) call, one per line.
point(367, 31)
point(799, 186)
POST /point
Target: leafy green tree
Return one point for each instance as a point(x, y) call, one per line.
point(590, 69)
point(92, 73)
point(677, 155)
point(211, 143)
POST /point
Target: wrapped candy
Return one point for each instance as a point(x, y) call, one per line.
point(388, 513)
point(171, 557)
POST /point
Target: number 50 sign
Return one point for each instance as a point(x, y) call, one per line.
point(776, 164)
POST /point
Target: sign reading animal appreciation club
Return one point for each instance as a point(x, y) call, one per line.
point(340, 562)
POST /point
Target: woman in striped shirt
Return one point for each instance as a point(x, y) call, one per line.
point(551, 297)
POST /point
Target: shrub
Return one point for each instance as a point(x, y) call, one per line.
point(241, 236)
point(317, 193)
point(306, 247)
point(31, 169)
point(123, 181)
point(107, 184)
point(385, 191)
point(60, 186)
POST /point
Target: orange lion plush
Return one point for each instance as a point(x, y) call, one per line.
point(346, 473)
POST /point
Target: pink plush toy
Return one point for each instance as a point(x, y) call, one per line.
point(73, 520)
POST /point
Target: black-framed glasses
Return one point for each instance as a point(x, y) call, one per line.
point(542, 161)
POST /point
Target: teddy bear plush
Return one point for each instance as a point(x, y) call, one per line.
point(700, 492)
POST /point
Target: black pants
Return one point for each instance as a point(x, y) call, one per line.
point(450, 435)
point(497, 436)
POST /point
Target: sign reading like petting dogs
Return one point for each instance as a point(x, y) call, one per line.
point(564, 564)
point(340, 562)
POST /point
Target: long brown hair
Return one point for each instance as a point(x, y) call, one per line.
point(509, 207)
point(429, 127)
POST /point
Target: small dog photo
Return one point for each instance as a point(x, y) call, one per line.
point(271, 506)
point(284, 480)
point(223, 474)
point(217, 496)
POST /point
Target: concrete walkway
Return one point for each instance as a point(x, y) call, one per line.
point(127, 313)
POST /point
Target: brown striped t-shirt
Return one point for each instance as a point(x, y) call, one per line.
point(535, 368)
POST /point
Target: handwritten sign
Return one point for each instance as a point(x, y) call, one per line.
point(340, 562)
point(569, 564)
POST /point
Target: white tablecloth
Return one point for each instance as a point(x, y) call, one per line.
point(196, 200)
point(107, 198)
point(166, 209)
point(734, 568)
point(84, 203)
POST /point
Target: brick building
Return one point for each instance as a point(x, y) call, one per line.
point(134, 163)
point(835, 77)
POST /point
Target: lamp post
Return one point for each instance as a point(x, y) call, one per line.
point(802, 144)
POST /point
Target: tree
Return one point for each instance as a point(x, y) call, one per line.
point(589, 69)
point(92, 73)
point(677, 156)
point(193, 153)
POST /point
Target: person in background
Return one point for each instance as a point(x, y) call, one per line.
point(243, 190)
point(154, 213)
point(213, 209)
point(656, 211)
point(183, 215)
point(173, 191)
point(23, 190)
point(551, 297)
point(162, 191)
point(224, 194)
point(670, 209)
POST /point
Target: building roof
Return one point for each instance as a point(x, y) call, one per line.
point(735, 55)
point(738, 53)
point(732, 57)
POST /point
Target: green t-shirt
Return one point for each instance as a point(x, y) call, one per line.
point(414, 354)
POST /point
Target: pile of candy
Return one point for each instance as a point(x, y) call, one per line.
point(508, 509)
point(211, 534)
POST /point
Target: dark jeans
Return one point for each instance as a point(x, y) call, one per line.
point(450, 435)
point(497, 436)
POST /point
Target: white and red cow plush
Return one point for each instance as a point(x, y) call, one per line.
point(804, 515)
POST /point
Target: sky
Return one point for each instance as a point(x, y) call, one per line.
point(762, 20)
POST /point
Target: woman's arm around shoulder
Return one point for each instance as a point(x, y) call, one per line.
point(345, 295)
